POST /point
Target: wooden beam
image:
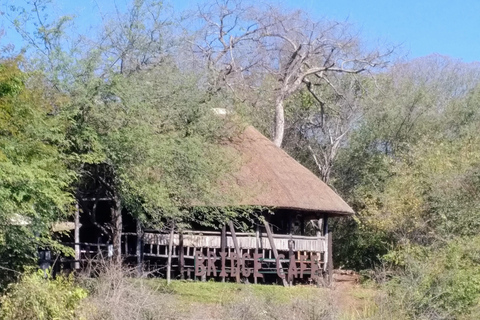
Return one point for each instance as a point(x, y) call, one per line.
point(321, 244)
point(237, 249)
point(290, 224)
point(257, 245)
point(223, 242)
point(125, 245)
point(324, 232)
point(325, 224)
point(139, 249)
point(290, 254)
point(98, 199)
point(328, 250)
point(117, 224)
point(181, 258)
point(320, 227)
point(169, 259)
point(302, 226)
point(274, 249)
point(77, 237)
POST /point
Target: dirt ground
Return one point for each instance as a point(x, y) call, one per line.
point(348, 295)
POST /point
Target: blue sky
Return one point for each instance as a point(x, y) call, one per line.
point(421, 27)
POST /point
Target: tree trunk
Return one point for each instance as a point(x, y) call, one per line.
point(116, 213)
point(279, 122)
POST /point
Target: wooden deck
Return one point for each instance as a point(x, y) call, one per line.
point(187, 245)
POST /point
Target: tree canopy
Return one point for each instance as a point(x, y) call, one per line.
point(35, 177)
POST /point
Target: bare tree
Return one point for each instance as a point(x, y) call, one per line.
point(410, 95)
point(324, 129)
point(137, 38)
point(224, 43)
point(243, 45)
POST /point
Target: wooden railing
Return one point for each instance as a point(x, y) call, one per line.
point(212, 239)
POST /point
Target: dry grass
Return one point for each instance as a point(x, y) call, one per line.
point(115, 294)
point(250, 306)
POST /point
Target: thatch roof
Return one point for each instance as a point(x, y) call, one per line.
point(272, 178)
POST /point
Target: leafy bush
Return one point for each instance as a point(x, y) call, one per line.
point(438, 282)
point(37, 297)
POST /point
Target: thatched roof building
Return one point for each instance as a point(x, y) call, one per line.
point(274, 179)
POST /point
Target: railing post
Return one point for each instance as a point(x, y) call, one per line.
point(223, 242)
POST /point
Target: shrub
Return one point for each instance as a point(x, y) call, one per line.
point(38, 297)
point(442, 282)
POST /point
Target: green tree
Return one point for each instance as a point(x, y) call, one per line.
point(140, 132)
point(34, 177)
point(160, 139)
point(410, 164)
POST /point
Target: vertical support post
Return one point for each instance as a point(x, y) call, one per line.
point(291, 254)
point(324, 232)
point(290, 224)
point(76, 237)
point(319, 235)
point(139, 248)
point(87, 253)
point(116, 216)
point(257, 245)
point(181, 258)
point(274, 249)
point(169, 259)
point(330, 257)
point(223, 242)
point(125, 245)
point(328, 263)
point(320, 241)
point(203, 277)
point(290, 242)
point(237, 248)
point(320, 227)
point(302, 226)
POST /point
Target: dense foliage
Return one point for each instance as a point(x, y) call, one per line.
point(126, 114)
point(35, 178)
point(37, 297)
